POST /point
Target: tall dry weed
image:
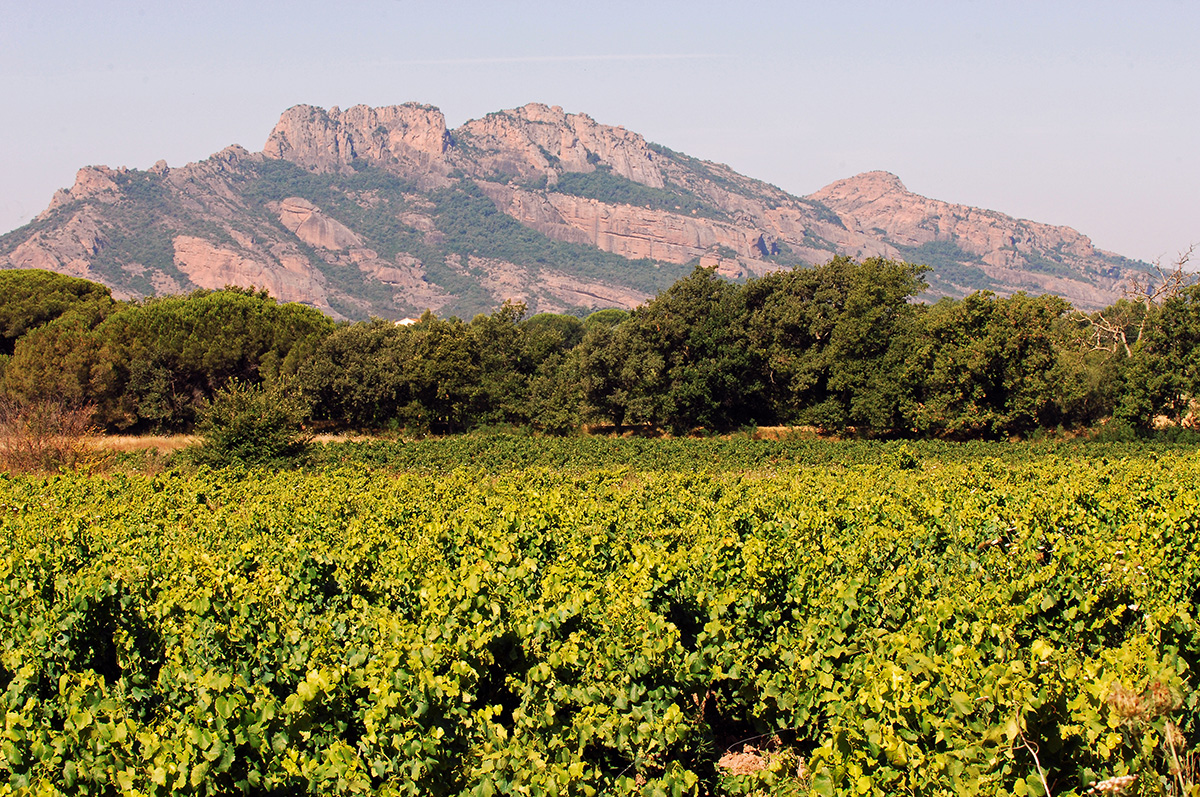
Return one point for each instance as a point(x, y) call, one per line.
point(45, 436)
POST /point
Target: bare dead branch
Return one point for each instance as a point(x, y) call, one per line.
point(1146, 290)
point(1033, 751)
point(1111, 333)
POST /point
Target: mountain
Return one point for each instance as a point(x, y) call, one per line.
point(387, 212)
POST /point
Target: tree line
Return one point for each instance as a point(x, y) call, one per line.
point(842, 347)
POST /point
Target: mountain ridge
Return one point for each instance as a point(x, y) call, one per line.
point(388, 212)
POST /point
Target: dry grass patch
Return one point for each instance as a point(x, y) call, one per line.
point(787, 433)
point(163, 444)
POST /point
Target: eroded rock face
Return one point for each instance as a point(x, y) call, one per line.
point(406, 275)
point(538, 140)
point(315, 228)
point(287, 276)
point(573, 292)
point(878, 200)
point(67, 248)
point(329, 141)
point(627, 230)
point(549, 290)
point(91, 182)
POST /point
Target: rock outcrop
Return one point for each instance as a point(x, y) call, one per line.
point(878, 201)
point(306, 221)
point(410, 138)
point(287, 276)
point(67, 248)
point(536, 140)
point(633, 232)
point(90, 182)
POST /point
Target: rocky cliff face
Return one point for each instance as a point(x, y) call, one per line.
point(384, 211)
point(306, 221)
point(538, 141)
point(627, 230)
point(288, 276)
point(410, 138)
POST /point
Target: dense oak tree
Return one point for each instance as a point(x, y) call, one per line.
point(989, 366)
point(832, 340)
point(547, 334)
point(356, 375)
point(678, 361)
point(498, 345)
point(443, 375)
point(1163, 368)
point(605, 318)
point(548, 343)
point(615, 370)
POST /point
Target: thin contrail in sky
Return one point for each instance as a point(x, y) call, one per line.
point(535, 59)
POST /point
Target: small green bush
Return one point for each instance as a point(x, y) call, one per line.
point(250, 424)
point(1116, 431)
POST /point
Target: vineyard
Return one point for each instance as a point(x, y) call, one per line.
point(596, 618)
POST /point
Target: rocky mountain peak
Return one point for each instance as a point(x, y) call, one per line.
point(537, 140)
point(862, 189)
point(323, 141)
point(91, 181)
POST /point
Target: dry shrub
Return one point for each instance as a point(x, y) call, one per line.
point(1149, 715)
point(773, 769)
point(747, 762)
point(45, 436)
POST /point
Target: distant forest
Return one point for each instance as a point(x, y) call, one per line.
point(841, 347)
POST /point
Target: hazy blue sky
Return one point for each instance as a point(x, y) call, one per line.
point(1082, 113)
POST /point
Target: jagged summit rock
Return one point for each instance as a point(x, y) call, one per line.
point(537, 140)
point(387, 212)
point(867, 187)
point(333, 140)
